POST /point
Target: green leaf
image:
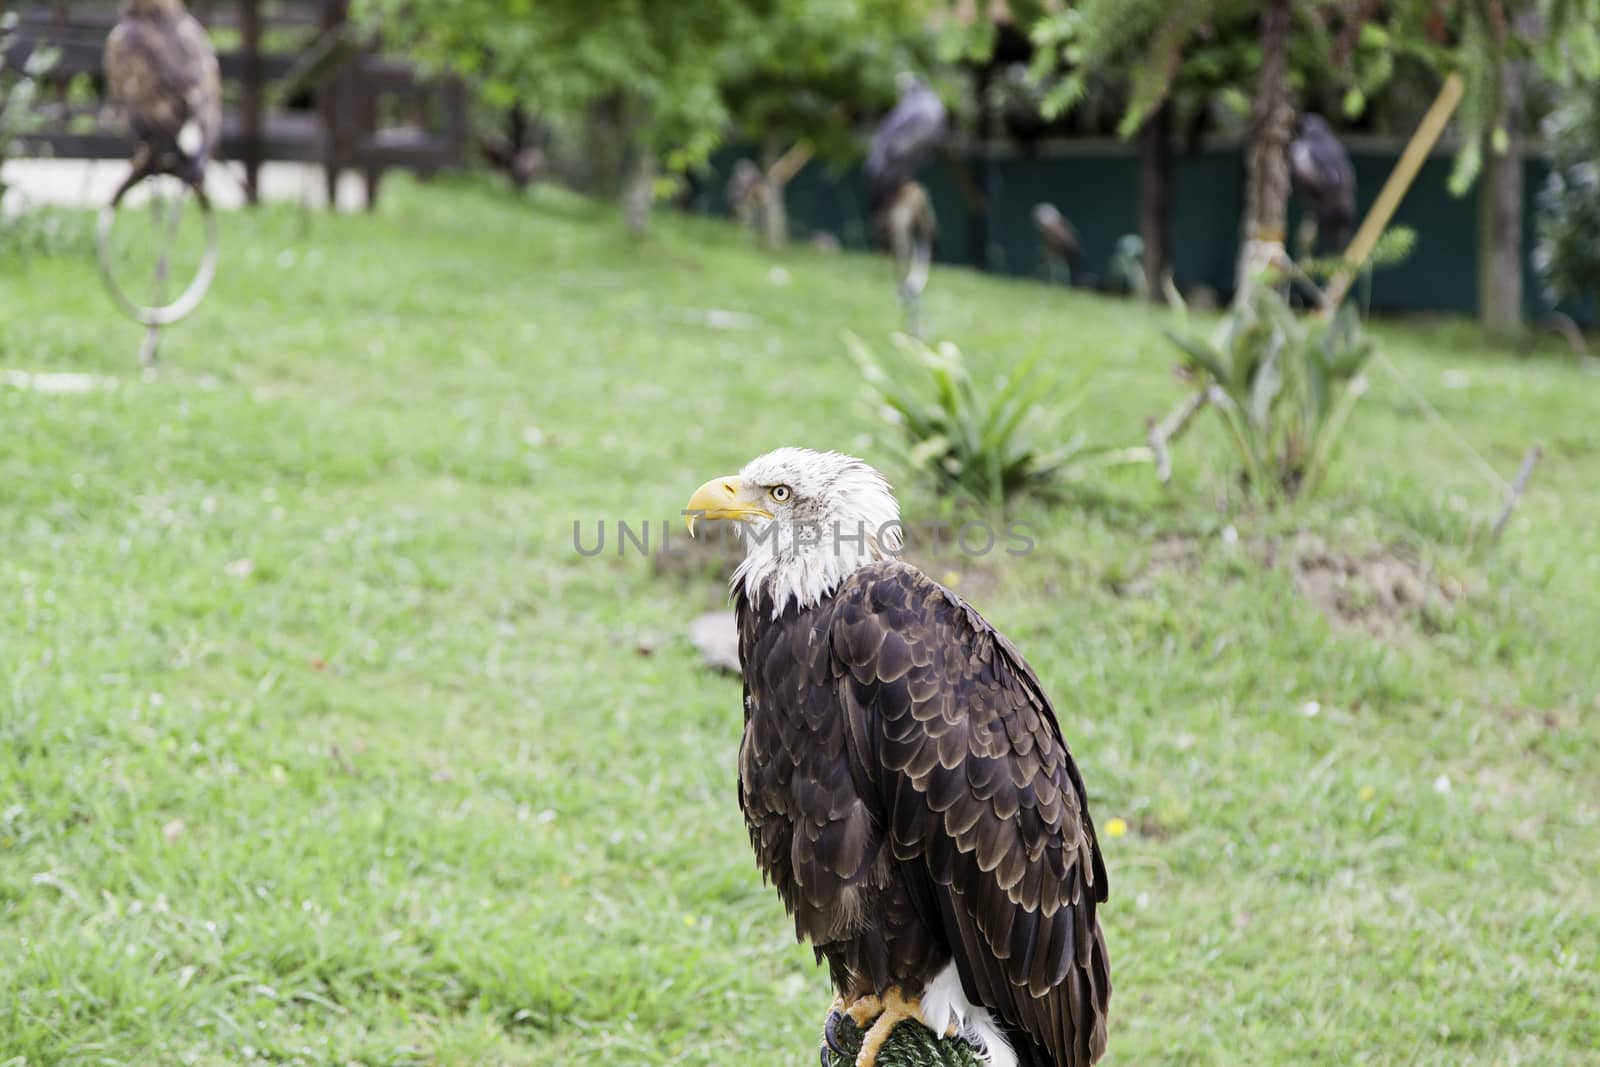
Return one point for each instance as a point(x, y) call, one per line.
point(1267, 384)
point(1201, 355)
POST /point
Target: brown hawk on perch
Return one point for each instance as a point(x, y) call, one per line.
point(162, 76)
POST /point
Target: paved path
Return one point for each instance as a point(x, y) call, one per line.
point(90, 183)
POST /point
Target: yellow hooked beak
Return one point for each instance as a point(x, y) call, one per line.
point(722, 498)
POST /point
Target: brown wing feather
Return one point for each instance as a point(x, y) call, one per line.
point(981, 800)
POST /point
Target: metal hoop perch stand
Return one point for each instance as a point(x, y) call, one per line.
point(153, 316)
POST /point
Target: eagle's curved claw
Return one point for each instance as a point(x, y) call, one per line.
point(830, 1037)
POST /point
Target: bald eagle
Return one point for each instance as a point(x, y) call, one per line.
point(162, 75)
point(904, 780)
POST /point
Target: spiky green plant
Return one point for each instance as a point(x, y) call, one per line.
point(976, 444)
point(1285, 386)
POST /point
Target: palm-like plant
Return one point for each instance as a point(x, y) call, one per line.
point(1285, 386)
point(971, 443)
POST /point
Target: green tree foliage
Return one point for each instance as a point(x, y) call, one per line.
point(1567, 256)
point(1344, 51)
point(675, 77)
point(1205, 52)
point(654, 63)
point(802, 85)
point(817, 66)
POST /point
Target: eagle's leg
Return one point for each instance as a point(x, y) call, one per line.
point(861, 1011)
point(894, 1009)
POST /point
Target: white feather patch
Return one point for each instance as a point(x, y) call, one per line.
point(945, 1005)
point(843, 516)
point(190, 139)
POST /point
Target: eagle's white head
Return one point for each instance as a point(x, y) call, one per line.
point(807, 519)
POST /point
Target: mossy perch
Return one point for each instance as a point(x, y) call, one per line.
point(910, 1045)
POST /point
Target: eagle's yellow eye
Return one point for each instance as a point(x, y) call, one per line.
point(780, 493)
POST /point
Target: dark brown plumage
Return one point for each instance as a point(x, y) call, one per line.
point(162, 76)
point(908, 792)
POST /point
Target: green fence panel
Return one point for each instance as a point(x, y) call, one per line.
point(1096, 186)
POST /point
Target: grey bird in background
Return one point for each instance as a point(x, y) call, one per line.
point(743, 193)
point(162, 77)
point(905, 140)
point(1325, 180)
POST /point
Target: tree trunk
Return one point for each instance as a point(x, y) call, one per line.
point(1500, 237)
point(1155, 178)
point(1500, 212)
point(1266, 197)
point(775, 214)
point(639, 192)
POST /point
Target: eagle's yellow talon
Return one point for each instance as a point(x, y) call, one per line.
point(864, 1010)
point(894, 1009)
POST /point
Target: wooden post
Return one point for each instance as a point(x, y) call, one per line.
point(1519, 485)
point(330, 109)
point(1394, 190)
point(252, 95)
point(1266, 193)
point(1155, 211)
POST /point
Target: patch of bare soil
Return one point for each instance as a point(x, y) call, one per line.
point(1171, 554)
point(1387, 592)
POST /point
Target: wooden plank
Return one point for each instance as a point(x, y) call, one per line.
point(252, 96)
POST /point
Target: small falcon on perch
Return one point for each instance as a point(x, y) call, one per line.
point(904, 779)
point(162, 75)
point(1325, 178)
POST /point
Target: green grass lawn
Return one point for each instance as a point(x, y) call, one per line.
point(320, 743)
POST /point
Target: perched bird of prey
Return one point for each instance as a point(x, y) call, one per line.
point(162, 75)
point(903, 142)
point(1324, 177)
point(1059, 246)
point(744, 193)
point(904, 779)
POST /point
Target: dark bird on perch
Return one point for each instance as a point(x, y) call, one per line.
point(1059, 246)
point(1325, 180)
point(904, 141)
point(904, 779)
point(162, 76)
